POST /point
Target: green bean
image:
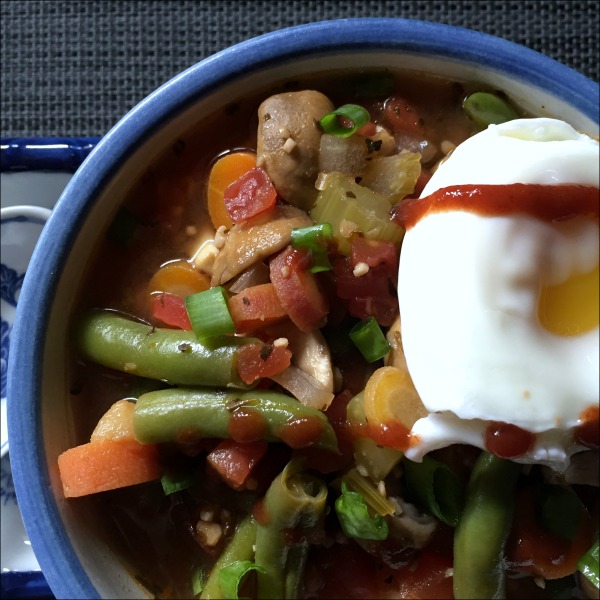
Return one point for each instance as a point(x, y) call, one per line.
point(487, 109)
point(241, 547)
point(172, 355)
point(188, 414)
point(436, 487)
point(294, 569)
point(483, 527)
point(295, 499)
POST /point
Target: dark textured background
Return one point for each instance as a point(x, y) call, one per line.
point(74, 67)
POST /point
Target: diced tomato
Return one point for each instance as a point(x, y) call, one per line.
point(261, 360)
point(250, 195)
point(384, 308)
point(374, 253)
point(429, 576)
point(367, 130)
point(531, 549)
point(170, 310)
point(369, 294)
point(256, 307)
point(298, 290)
point(235, 461)
point(373, 283)
point(402, 117)
point(345, 571)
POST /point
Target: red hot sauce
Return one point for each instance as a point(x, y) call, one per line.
point(550, 203)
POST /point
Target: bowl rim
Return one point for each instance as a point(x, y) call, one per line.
point(56, 555)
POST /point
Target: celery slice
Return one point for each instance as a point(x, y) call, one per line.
point(375, 501)
point(342, 202)
point(393, 176)
point(376, 460)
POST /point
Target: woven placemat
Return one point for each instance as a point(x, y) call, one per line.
point(74, 67)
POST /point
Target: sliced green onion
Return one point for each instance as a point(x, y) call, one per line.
point(486, 109)
point(199, 579)
point(355, 519)
point(436, 487)
point(314, 239)
point(176, 482)
point(589, 565)
point(559, 510)
point(369, 339)
point(345, 120)
point(233, 574)
point(209, 313)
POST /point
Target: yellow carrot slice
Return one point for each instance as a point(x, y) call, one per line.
point(227, 169)
point(390, 396)
point(179, 278)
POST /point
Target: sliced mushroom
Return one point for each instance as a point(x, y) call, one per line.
point(310, 377)
point(292, 166)
point(310, 352)
point(411, 526)
point(246, 246)
point(409, 530)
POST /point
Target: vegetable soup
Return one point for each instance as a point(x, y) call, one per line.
point(250, 416)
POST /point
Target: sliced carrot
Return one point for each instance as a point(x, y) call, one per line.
point(390, 396)
point(107, 465)
point(255, 307)
point(179, 278)
point(227, 169)
point(261, 360)
point(234, 461)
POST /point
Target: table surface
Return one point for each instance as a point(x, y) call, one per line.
point(75, 67)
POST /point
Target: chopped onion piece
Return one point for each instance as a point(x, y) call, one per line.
point(304, 387)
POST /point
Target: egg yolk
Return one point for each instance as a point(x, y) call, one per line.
point(571, 308)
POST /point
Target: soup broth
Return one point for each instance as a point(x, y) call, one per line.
point(172, 540)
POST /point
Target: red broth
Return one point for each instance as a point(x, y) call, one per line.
point(165, 539)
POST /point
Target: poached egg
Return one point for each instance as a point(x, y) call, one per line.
point(499, 312)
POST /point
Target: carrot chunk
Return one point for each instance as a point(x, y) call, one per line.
point(255, 307)
point(107, 465)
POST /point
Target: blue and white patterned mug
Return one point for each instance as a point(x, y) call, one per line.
point(20, 229)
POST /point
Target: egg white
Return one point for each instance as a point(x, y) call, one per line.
point(468, 289)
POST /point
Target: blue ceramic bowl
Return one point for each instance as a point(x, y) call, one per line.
point(75, 562)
